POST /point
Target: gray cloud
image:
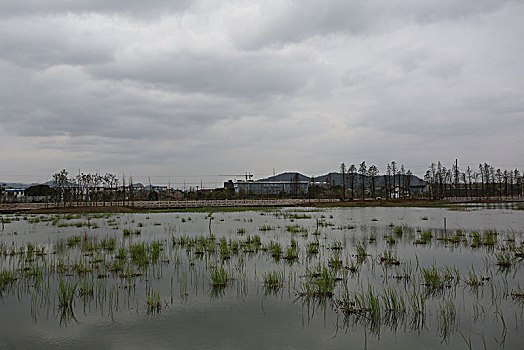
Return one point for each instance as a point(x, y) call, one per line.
point(246, 85)
point(126, 7)
point(307, 18)
point(45, 42)
point(255, 75)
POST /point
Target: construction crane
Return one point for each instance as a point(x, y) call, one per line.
point(247, 175)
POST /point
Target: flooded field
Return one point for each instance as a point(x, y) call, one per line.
point(405, 278)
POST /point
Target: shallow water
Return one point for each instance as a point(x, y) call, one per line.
point(246, 314)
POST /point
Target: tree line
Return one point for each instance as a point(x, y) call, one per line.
point(352, 182)
point(485, 181)
point(366, 181)
point(85, 189)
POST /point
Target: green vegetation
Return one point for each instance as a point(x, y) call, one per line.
point(273, 280)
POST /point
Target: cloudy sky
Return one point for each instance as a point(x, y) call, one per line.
point(191, 89)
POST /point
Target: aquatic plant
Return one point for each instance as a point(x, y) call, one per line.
point(275, 249)
point(219, 277)
point(434, 278)
point(273, 280)
point(504, 259)
point(153, 303)
point(319, 284)
point(312, 248)
point(66, 294)
point(389, 257)
point(425, 237)
point(473, 279)
point(6, 278)
point(361, 252)
point(335, 262)
point(398, 230)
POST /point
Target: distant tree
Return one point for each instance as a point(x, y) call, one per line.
point(40, 191)
point(408, 175)
point(467, 181)
point(387, 181)
point(394, 173)
point(60, 182)
point(402, 181)
point(343, 171)
point(352, 174)
point(373, 172)
point(518, 183)
point(456, 179)
point(362, 169)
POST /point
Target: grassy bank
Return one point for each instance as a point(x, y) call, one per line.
point(121, 209)
point(384, 203)
point(348, 203)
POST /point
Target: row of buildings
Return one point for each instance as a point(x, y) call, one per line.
point(298, 187)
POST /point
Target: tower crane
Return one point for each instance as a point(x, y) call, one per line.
point(247, 175)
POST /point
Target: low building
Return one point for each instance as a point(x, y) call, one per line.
point(271, 187)
point(14, 192)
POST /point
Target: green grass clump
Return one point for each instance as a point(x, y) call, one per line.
point(6, 278)
point(389, 257)
point(517, 293)
point(438, 278)
point(297, 229)
point(320, 283)
point(291, 252)
point(473, 279)
point(86, 288)
point(66, 294)
point(334, 261)
point(504, 259)
point(361, 252)
point(219, 277)
point(128, 232)
point(153, 301)
point(312, 249)
point(266, 228)
point(275, 249)
point(139, 254)
point(363, 304)
point(73, 240)
point(273, 280)
point(425, 237)
point(398, 230)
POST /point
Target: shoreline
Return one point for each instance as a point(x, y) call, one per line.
point(423, 203)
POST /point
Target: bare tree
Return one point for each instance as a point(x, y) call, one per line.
point(352, 174)
point(373, 172)
point(343, 171)
point(362, 169)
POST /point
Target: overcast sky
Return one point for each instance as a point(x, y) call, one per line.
point(190, 89)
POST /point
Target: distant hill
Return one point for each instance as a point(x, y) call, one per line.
point(336, 178)
point(16, 185)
